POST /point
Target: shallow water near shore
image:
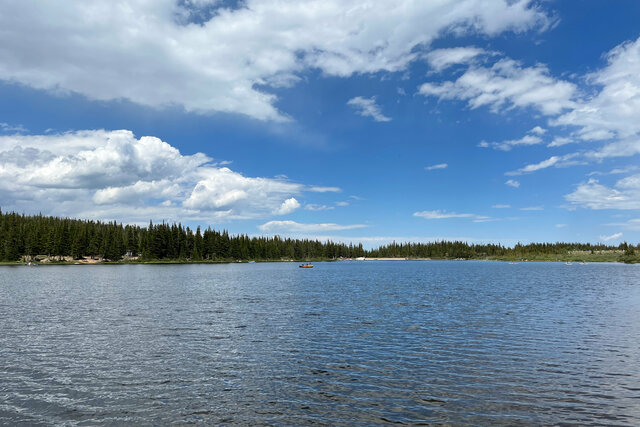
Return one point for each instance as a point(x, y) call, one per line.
point(359, 343)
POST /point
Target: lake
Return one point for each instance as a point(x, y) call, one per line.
point(357, 343)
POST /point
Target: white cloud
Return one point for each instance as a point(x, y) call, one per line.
point(611, 115)
point(537, 166)
point(318, 189)
point(506, 85)
point(440, 59)
point(342, 204)
point(611, 237)
point(438, 166)
point(509, 144)
point(438, 214)
point(560, 141)
point(501, 206)
point(6, 127)
point(561, 225)
point(620, 148)
point(367, 107)
point(288, 206)
point(538, 130)
point(512, 183)
point(113, 174)
point(316, 207)
point(615, 110)
point(632, 224)
point(616, 171)
point(593, 195)
point(296, 227)
point(158, 54)
point(533, 208)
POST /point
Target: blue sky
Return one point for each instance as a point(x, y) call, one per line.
point(392, 120)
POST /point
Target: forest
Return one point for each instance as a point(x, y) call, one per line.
point(31, 236)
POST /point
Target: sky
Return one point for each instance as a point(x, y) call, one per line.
point(483, 121)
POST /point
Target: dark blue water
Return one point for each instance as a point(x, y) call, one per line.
point(358, 343)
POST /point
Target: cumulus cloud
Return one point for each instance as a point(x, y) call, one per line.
point(288, 206)
point(113, 174)
point(512, 183)
point(206, 57)
point(438, 214)
point(367, 107)
point(593, 195)
point(438, 166)
point(296, 227)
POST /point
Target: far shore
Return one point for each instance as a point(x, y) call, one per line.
point(564, 258)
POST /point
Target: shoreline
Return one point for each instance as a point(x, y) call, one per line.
point(559, 259)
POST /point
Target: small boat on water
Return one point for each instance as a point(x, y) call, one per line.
point(306, 266)
point(252, 262)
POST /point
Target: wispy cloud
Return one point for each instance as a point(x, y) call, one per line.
point(533, 208)
point(632, 224)
point(438, 166)
point(438, 214)
point(318, 189)
point(556, 161)
point(367, 107)
point(6, 127)
point(315, 207)
point(532, 138)
point(611, 237)
point(507, 84)
point(295, 227)
point(616, 171)
point(512, 183)
point(501, 206)
point(440, 59)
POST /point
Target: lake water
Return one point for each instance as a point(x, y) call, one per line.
point(358, 343)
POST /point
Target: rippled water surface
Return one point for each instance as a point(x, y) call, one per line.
point(343, 343)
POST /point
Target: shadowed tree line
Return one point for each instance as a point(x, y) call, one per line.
point(31, 235)
point(463, 250)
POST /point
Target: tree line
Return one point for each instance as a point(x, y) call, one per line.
point(33, 235)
